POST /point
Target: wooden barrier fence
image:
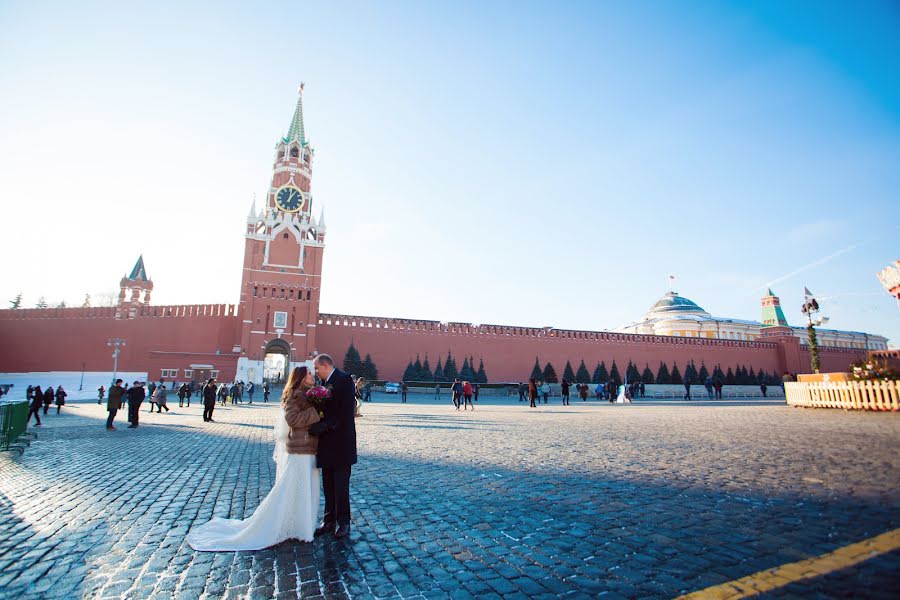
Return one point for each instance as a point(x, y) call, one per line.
point(851, 395)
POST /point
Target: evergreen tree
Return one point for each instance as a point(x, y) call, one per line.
point(568, 373)
point(410, 373)
point(582, 375)
point(718, 373)
point(536, 373)
point(690, 373)
point(601, 375)
point(61, 304)
point(450, 371)
point(16, 302)
point(481, 376)
point(662, 375)
point(704, 373)
point(631, 373)
point(729, 377)
point(417, 370)
point(676, 374)
point(745, 376)
point(614, 373)
point(466, 373)
point(41, 303)
point(549, 374)
point(647, 375)
point(369, 368)
point(751, 376)
point(352, 361)
point(439, 372)
point(426, 374)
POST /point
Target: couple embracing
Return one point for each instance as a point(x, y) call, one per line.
point(305, 443)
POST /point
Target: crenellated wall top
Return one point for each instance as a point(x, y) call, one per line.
point(551, 333)
point(109, 312)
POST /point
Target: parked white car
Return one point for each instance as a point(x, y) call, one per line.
point(392, 388)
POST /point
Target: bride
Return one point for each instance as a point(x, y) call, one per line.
point(290, 509)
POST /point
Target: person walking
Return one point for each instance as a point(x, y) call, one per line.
point(114, 403)
point(223, 394)
point(583, 391)
point(160, 397)
point(456, 388)
point(532, 392)
point(359, 392)
point(611, 390)
point(101, 391)
point(475, 389)
point(403, 390)
point(763, 387)
point(136, 396)
point(467, 395)
point(182, 394)
point(266, 391)
point(522, 390)
point(437, 391)
point(687, 389)
point(233, 391)
point(208, 393)
point(565, 392)
point(49, 395)
point(60, 398)
point(34, 408)
point(545, 391)
point(598, 391)
point(251, 387)
point(643, 389)
point(29, 393)
point(717, 386)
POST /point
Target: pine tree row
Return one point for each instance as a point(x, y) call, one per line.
point(740, 375)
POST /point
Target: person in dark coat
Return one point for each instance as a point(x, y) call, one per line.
point(532, 392)
point(337, 446)
point(209, 399)
point(49, 395)
point(456, 390)
point(37, 400)
point(114, 403)
point(182, 394)
point(565, 391)
point(266, 391)
point(60, 398)
point(136, 397)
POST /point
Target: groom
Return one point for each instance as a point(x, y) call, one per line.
point(337, 446)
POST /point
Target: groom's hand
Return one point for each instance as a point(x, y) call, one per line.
point(317, 428)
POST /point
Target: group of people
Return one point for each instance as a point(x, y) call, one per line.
point(38, 399)
point(462, 393)
point(535, 391)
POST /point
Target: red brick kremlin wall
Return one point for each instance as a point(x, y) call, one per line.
point(174, 337)
point(509, 352)
point(158, 337)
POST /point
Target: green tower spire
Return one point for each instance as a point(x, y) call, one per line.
point(772, 315)
point(296, 130)
point(139, 273)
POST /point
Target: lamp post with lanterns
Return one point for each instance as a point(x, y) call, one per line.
point(810, 306)
point(116, 344)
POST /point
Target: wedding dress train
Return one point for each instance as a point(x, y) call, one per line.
point(289, 511)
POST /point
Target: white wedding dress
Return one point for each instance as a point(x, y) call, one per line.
point(289, 511)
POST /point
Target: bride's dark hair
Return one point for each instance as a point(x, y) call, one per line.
point(294, 382)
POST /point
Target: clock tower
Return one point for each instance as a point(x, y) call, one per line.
point(283, 245)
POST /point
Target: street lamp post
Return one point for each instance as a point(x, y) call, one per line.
point(116, 344)
point(810, 306)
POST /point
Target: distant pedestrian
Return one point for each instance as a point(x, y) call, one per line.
point(101, 391)
point(60, 398)
point(182, 394)
point(717, 386)
point(786, 378)
point(532, 393)
point(160, 397)
point(37, 400)
point(583, 391)
point(456, 389)
point(708, 384)
point(29, 393)
point(403, 390)
point(136, 396)
point(763, 387)
point(189, 386)
point(266, 391)
point(251, 387)
point(223, 394)
point(368, 391)
point(49, 395)
point(643, 388)
point(565, 391)
point(522, 390)
point(437, 391)
point(114, 403)
point(152, 388)
point(234, 391)
point(545, 391)
point(598, 391)
point(467, 395)
point(687, 389)
point(611, 389)
point(208, 393)
point(359, 392)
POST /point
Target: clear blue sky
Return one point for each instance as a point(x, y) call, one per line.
point(493, 162)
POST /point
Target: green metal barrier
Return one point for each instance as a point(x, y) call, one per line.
point(13, 422)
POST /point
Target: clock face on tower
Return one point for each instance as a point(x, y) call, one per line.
point(289, 199)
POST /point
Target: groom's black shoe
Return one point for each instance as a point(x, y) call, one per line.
point(324, 528)
point(343, 531)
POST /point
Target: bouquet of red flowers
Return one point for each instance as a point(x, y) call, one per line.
point(318, 396)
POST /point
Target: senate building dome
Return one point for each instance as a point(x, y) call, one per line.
point(673, 303)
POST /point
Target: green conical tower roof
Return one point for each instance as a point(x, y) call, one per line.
point(139, 273)
point(296, 130)
point(772, 315)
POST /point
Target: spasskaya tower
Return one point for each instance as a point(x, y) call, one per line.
point(279, 304)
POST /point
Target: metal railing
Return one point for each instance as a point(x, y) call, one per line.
point(13, 423)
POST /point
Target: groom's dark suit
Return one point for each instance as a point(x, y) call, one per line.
point(337, 448)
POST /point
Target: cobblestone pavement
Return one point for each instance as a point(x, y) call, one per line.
point(644, 500)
